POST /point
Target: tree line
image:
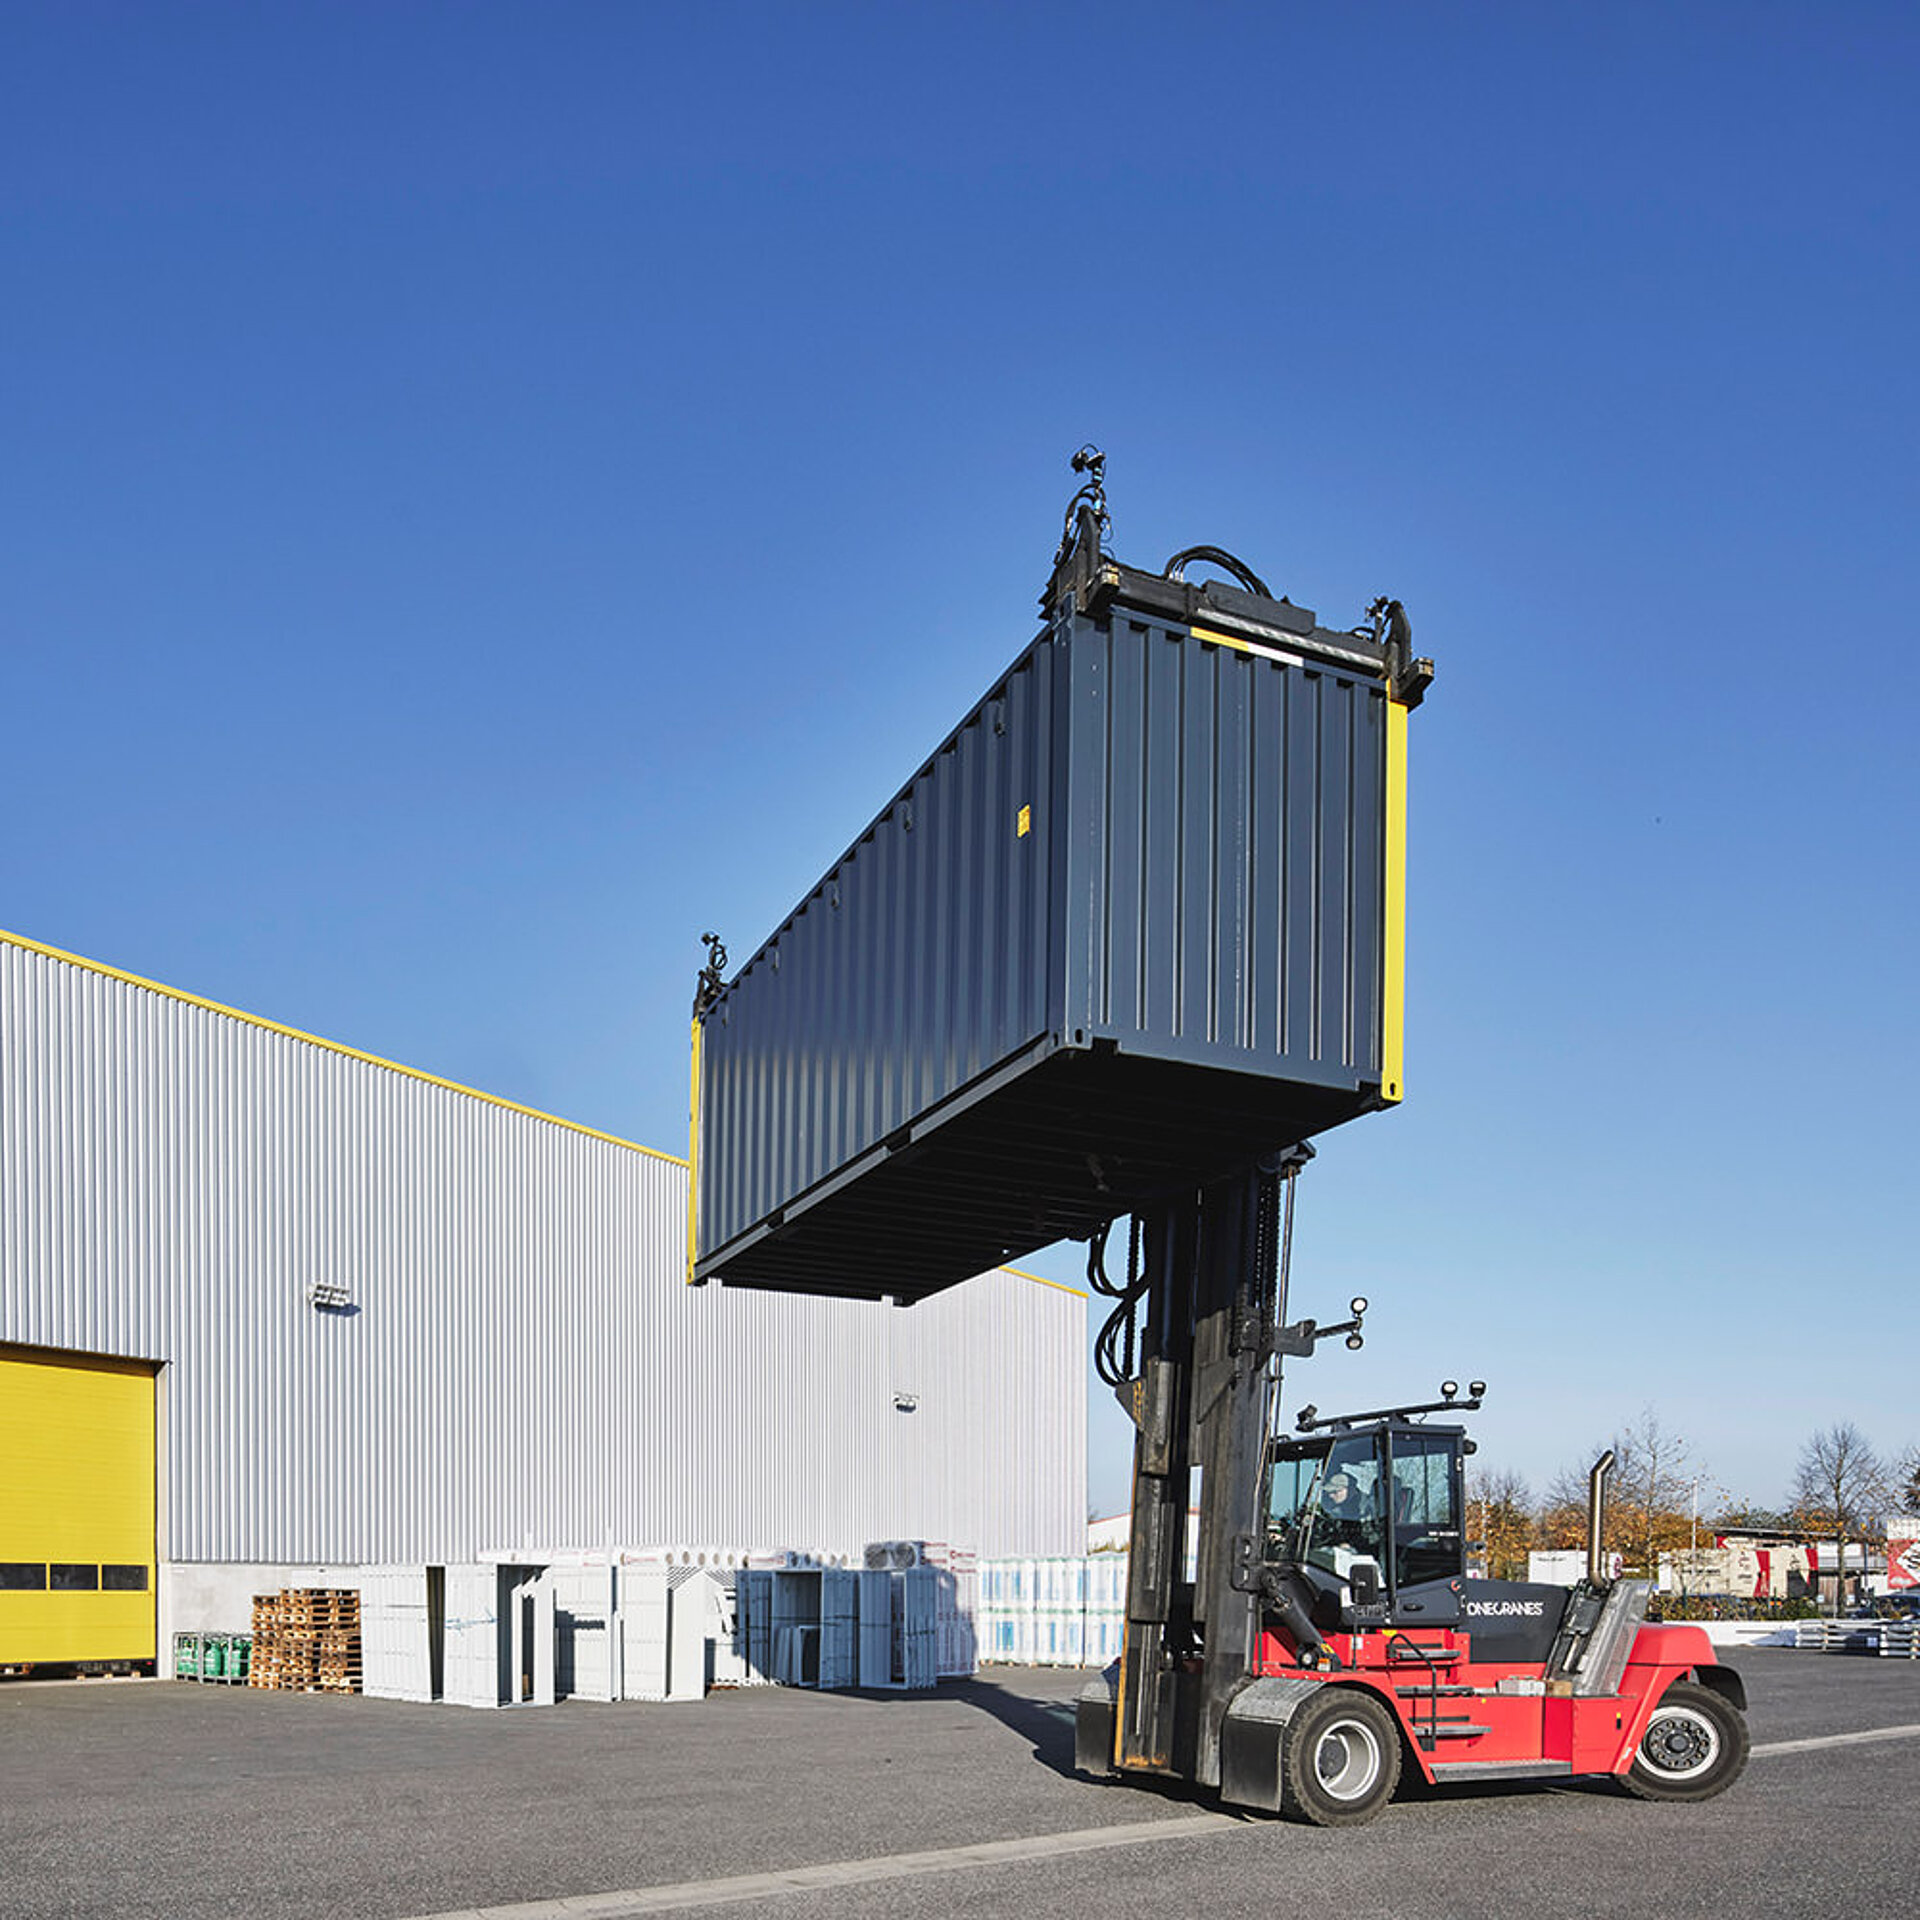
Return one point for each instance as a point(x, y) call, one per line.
point(1662, 1499)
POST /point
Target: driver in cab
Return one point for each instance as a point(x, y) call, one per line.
point(1346, 1516)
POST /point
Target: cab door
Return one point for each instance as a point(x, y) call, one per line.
point(1426, 1541)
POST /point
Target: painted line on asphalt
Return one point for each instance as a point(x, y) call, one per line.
point(847, 1873)
point(1839, 1740)
point(685, 1894)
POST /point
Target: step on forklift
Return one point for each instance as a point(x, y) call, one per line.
point(1329, 1634)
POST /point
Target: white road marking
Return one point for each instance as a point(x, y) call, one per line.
point(847, 1873)
point(633, 1902)
point(1839, 1740)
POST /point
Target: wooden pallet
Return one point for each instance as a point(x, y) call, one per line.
point(306, 1640)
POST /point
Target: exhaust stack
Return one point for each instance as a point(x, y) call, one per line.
point(1596, 1513)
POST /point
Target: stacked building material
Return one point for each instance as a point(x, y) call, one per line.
point(839, 1626)
point(1053, 1613)
point(956, 1592)
point(307, 1640)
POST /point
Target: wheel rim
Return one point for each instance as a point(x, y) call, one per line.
point(1681, 1742)
point(1346, 1762)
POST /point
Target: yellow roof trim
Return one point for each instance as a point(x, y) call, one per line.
point(331, 1046)
point(1040, 1280)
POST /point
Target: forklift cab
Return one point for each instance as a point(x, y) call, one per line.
point(1370, 1518)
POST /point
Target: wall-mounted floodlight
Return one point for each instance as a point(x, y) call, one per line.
point(906, 1402)
point(329, 1296)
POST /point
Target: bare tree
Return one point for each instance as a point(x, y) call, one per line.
point(1906, 1481)
point(1652, 1497)
point(1839, 1486)
point(1654, 1483)
point(1500, 1516)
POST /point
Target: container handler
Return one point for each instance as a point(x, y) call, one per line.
point(1331, 1634)
point(1126, 942)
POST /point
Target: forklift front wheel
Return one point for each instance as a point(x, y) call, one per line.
point(1342, 1759)
point(1695, 1746)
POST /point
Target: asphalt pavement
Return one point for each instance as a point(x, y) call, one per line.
point(163, 1798)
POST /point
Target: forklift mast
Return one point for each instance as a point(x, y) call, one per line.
point(1205, 1314)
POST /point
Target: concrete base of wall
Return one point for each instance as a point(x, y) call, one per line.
point(199, 1597)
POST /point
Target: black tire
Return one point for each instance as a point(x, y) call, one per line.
point(1695, 1746)
point(1340, 1761)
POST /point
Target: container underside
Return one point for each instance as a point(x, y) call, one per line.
point(1081, 1138)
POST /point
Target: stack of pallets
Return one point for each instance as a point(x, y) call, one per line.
point(307, 1640)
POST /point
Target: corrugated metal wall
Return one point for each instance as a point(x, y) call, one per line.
point(520, 1361)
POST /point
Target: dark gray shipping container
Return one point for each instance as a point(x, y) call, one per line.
point(1134, 923)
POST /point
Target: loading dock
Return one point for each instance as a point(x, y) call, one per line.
point(76, 1508)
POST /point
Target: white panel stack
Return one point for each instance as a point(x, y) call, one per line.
point(395, 1651)
point(839, 1628)
point(644, 1620)
point(753, 1621)
point(728, 1658)
point(796, 1626)
point(473, 1636)
point(535, 1660)
point(876, 1628)
point(587, 1631)
point(687, 1619)
point(1053, 1613)
point(918, 1595)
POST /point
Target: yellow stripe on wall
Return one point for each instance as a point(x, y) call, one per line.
point(331, 1046)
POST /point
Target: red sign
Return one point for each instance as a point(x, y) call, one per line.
point(1903, 1561)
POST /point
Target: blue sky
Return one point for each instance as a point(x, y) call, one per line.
point(494, 491)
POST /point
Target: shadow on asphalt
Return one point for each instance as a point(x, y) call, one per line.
point(1048, 1725)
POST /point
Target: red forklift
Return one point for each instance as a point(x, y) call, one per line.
point(1330, 1634)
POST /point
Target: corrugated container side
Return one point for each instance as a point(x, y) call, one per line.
point(919, 962)
point(1230, 806)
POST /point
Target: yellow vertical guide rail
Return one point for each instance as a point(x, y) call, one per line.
point(1393, 981)
point(77, 1508)
point(693, 1154)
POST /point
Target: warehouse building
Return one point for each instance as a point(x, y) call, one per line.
point(272, 1309)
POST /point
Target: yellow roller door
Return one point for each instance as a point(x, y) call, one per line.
point(76, 1508)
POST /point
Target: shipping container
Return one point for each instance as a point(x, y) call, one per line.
point(1134, 923)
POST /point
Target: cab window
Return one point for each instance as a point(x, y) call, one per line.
point(1426, 1513)
point(1346, 1520)
point(1293, 1483)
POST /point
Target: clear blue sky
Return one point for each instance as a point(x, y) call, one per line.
point(492, 491)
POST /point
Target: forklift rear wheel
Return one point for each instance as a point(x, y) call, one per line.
point(1342, 1759)
point(1695, 1746)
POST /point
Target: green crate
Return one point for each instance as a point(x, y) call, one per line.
point(215, 1651)
point(187, 1653)
point(239, 1658)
